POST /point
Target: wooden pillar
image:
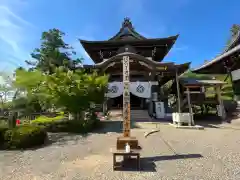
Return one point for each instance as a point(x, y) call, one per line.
point(150, 104)
point(190, 107)
point(126, 98)
point(220, 102)
point(229, 73)
point(178, 91)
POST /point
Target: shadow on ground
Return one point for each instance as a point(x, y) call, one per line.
point(153, 120)
point(148, 163)
point(208, 121)
point(113, 126)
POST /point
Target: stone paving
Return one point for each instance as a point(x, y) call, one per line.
point(172, 153)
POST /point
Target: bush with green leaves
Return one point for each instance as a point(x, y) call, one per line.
point(45, 119)
point(64, 125)
point(22, 137)
point(71, 91)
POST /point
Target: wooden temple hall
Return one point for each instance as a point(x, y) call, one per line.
point(147, 72)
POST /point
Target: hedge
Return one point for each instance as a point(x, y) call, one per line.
point(73, 126)
point(22, 137)
point(45, 119)
point(62, 125)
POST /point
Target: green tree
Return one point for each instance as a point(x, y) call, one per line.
point(53, 52)
point(29, 82)
point(233, 32)
point(75, 90)
point(72, 91)
point(190, 74)
point(6, 87)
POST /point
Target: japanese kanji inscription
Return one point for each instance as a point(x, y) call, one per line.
point(126, 98)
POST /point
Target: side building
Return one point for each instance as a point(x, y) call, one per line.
point(226, 63)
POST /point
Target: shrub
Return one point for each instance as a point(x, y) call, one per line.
point(24, 136)
point(73, 126)
point(45, 119)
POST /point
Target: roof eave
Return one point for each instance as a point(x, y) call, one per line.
point(233, 42)
point(171, 45)
point(173, 38)
point(218, 59)
point(133, 32)
point(86, 49)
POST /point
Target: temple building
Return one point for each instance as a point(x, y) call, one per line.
point(226, 63)
point(147, 71)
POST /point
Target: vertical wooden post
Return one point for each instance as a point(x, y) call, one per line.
point(190, 107)
point(229, 73)
point(150, 104)
point(220, 102)
point(178, 91)
point(126, 98)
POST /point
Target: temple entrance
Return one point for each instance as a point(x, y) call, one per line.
point(116, 103)
point(135, 101)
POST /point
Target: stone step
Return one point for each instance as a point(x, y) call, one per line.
point(139, 115)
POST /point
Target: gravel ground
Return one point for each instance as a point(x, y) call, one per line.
point(208, 154)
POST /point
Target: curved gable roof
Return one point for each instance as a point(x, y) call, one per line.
point(127, 32)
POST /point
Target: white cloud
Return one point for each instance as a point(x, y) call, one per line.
point(13, 31)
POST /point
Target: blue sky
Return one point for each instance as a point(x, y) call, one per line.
point(203, 25)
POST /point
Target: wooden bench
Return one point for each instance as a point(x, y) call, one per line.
point(126, 156)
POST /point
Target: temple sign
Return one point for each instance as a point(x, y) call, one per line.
point(126, 97)
point(162, 68)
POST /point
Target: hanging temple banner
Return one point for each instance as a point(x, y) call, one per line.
point(140, 89)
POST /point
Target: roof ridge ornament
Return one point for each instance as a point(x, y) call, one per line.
point(127, 23)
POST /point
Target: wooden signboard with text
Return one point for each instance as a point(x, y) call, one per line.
point(126, 138)
point(126, 98)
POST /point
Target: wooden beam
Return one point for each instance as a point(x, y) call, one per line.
point(192, 92)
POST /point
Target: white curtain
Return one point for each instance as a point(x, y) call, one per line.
point(115, 89)
point(141, 89)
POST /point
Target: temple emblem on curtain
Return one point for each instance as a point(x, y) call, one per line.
point(140, 89)
point(113, 89)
